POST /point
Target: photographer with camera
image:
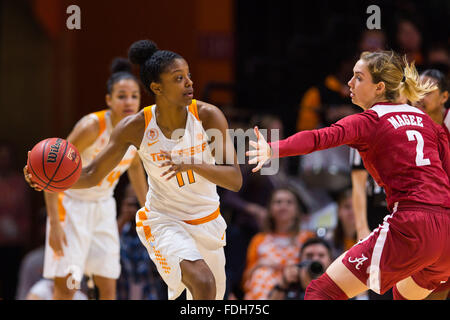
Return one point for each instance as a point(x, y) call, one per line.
point(315, 257)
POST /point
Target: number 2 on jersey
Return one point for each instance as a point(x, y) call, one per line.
point(415, 135)
point(180, 179)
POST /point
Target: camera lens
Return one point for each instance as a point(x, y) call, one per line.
point(315, 269)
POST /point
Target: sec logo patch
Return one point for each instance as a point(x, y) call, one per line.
point(152, 134)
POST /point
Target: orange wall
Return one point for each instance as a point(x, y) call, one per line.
point(82, 57)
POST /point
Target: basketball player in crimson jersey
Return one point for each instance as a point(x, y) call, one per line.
point(407, 154)
point(434, 105)
point(82, 235)
point(180, 224)
point(434, 102)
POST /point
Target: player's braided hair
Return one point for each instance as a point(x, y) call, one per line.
point(151, 60)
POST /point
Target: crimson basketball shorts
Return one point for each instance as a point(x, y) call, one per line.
point(413, 241)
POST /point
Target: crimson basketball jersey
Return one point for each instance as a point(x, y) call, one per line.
point(402, 148)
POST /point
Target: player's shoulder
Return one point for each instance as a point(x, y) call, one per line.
point(383, 109)
point(135, 121)
point(205, 109)
point(90, 126)
point(130, 129)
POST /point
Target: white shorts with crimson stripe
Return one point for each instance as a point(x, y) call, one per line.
point(169, 241)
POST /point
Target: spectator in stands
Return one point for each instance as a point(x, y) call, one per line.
point(15, 218)
point(408, 40)
point(315, 257)
point(248, 209)
point(344, 235)
point(139, 278)
point(276, 247)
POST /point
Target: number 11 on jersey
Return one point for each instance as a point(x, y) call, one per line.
point(180, 180)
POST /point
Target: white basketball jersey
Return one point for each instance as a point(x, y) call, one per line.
point(187, 196)
point(106, 187)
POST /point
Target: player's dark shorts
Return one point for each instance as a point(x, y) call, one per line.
point(413, 241)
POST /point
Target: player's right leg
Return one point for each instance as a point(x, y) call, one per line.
point(62, 288)
point(199, 279)
point(176, 256)
point(67, 270)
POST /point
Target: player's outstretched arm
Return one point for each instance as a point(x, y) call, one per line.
point(262, 152)
point(138, 179)
point(82, 136)
point(129, 131)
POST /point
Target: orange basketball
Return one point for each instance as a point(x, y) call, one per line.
point(55, 164)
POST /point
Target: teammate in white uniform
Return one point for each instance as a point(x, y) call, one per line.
point(180, 224)
point(82, 235)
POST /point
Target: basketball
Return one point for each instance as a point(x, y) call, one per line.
point(55, 164)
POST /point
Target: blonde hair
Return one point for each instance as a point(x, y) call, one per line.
point(400, 77)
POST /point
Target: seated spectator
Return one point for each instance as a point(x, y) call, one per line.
point(32, 265)
point(372, 40)
point(408, 40)
point(276, 247)
point(315, 257)
point(247, 209)
point(15, 218)
point(329, 101)
point(139, 278)
point(438, 57)
point(343, 237)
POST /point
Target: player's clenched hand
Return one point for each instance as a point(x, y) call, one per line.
point(174, 168)
point(262, 152)
point(27, 175)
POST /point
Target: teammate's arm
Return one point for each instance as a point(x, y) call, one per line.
point(82, 136)
point(129, 131)
point(359, 198)
point(137, 177)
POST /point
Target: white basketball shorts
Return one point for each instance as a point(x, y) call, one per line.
point(169, 241)
point(92, 240)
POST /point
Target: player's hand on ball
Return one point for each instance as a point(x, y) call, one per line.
point(28, 178)
point(262, 152)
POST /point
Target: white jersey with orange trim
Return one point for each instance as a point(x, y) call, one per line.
point(106, 187)
point(187, 196)
point(446, 124)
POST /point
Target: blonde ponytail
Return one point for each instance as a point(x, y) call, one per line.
point(400, 77)
point(412, 88)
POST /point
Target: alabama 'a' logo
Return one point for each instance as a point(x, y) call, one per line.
point(358, 261)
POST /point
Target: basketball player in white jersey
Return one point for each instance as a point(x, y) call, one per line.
point(82, 234)
point(180, 224)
